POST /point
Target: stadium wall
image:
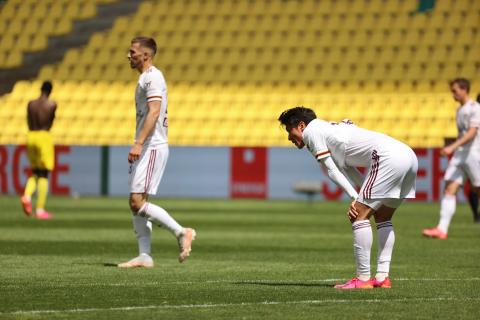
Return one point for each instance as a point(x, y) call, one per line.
point(199, 172)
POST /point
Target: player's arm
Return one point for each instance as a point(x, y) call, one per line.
point(336, 176)
point(467, 137)
point(354, 175)
point(474, 124)
point(153, 112)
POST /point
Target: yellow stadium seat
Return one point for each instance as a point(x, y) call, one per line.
point(243, 61)
point(87, 10)
point(23, 42)
point(13, 59)
point(62, 26)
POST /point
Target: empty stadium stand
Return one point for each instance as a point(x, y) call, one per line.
point(233, 65)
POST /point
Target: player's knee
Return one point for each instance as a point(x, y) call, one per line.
point(451, 188)
point(136, 204)
point(364, 211)
point(384, 214)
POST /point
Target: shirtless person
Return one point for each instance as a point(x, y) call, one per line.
point(40, 150)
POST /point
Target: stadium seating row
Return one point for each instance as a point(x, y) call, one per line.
point(426, 77)
point(26, 25)
point(233, 63)
point(103, 113)
point(193, 7)
point(264, 41)
point(371, 57)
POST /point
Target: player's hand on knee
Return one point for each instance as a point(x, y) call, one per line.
point(352, 212)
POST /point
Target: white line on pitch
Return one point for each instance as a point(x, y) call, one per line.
point(225, 305)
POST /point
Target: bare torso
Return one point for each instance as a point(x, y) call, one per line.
point(41, 113)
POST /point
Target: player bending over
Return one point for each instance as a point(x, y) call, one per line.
point(341, 148)
point(148, 155)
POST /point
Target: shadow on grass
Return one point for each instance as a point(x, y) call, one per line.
point(280, 283)
point(110, 264)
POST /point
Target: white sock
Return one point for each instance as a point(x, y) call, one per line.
point(386, 240)
point(143, 231)
point(362, 244)
point(160, 217)
point(447, 210)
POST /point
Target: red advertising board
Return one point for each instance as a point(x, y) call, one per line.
point(248, 173)
point(14, 171)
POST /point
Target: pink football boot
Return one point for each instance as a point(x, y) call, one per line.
point(44, 215)
point(27, 205)
point(387, 284)
point(355, 283)
point(435, 233)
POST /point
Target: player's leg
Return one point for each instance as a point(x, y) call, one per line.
point(142, 227)
point(143, 231)
point(30, 188)
point(386, 241)
point(159, 216)
point(156, 214)
point(31, 185)
point(361, 228)
point(145, 178)
point(448, 205)
point(400, 184)
point(473, 202)
point(454, 177)
point(473, 199)
point(473, 173)
point(42, 194)
point(46, 162)
point(447, 210)
point(362, 245)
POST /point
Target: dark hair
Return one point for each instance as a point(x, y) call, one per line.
point(478, 98)
point(462, 83)
point(292, 117)
point(146, 42)
point(46, 87)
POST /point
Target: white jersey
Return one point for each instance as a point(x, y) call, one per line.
point(393, 164)
point(468, 115)
point(151, 86)
point(348, 144)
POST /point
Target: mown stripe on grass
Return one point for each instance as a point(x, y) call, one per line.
point(232, 281)
point(226, 305)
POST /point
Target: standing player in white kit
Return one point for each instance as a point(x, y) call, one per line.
point(466, 156)
point(148, 155)
point(341, 148)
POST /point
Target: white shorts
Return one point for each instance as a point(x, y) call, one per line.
point(375, 204)
point(392, 174)
point(145, 173)
point(464, 165)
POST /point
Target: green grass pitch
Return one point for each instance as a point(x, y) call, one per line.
point(251, 260)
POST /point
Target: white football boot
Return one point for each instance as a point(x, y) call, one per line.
point(185, 243)
point(143, 260)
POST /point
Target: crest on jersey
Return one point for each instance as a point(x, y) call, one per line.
point(147, 84)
